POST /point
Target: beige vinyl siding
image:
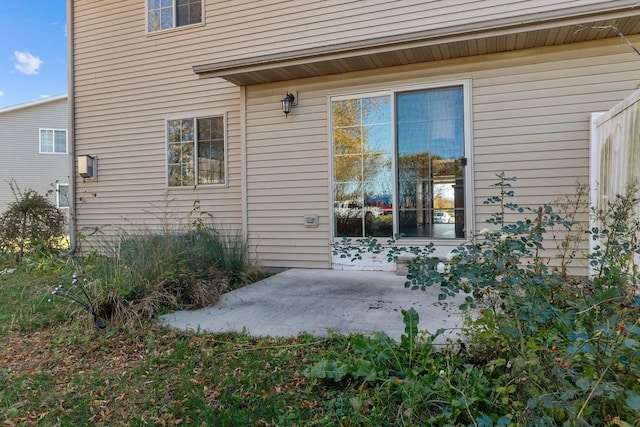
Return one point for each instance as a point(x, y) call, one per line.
point(21, 160)
point(126, 85)
point(286, 25)
point(530, 108)
point(530, 119)
point(287, 178)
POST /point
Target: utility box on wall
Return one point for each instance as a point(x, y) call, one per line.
point(311, 221)
point(87, 166)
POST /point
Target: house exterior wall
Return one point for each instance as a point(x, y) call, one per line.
point(21, 161)
point(530, 120)
point(126, 85)
point(530, 110)
point(236, 29)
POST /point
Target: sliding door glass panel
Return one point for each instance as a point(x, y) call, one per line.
point(430, 152)
point(362, 175)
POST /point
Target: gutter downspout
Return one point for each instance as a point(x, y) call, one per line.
point(71, 130)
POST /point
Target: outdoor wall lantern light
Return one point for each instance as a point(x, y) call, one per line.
point(287, 102)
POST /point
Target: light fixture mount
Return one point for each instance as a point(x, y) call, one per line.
point(289, 100)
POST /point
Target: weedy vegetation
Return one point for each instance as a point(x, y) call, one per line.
point(541, 347)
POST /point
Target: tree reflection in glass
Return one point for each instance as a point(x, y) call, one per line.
point(362, 166)
point(430, 149)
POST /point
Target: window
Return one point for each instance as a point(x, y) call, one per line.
point(62, 199)
point(399, 163)
point(204, 136)
point(53, 141)
point(167, 14)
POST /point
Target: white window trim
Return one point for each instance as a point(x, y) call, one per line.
point(66, 141)
point(469, 186)
point(175, 27)
point(58, 184)
point(226, 150)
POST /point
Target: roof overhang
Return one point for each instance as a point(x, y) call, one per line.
point(29, 104)
point(500, 35)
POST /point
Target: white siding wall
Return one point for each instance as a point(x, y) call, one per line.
point(530, 120)
point(21, 160)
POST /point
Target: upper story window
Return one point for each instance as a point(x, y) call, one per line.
point(167, 14)
point(53, 141)
point(196, 153)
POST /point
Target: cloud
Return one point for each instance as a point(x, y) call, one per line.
point(45, 96)
point(27, 63)
point(1, 93)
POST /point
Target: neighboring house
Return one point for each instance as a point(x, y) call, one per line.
point(409, 106)
point(34, 146)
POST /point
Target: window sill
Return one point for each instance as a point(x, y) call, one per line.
point(174, 29)
point(192, 187)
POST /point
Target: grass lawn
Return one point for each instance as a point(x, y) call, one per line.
point(56, 369)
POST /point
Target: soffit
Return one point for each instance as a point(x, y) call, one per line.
point(418, 48)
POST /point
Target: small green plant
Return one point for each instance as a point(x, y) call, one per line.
point(403, 371)
point(380, 358)
point(617, 238)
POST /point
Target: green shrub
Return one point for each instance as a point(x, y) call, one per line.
point(31, 225)
point(541, 348)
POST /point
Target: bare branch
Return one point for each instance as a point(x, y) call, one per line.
point(619, 33)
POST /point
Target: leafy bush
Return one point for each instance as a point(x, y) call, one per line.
point(541, 348)
point(31, 224)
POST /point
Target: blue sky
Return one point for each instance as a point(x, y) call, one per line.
point(33, 50)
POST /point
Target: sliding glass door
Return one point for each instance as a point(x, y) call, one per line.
point(398, 164)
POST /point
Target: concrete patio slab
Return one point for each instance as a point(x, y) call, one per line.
point(319, 301)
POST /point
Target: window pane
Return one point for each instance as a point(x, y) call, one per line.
point(173, 130)
point(378, 207)
point(376, 167)
point(347, 140)
point(60, 141)
point(211, 164)
point(347, 209)
point(153, 20)
point(46, 141)
point(346, 113)
point(62, 198)
point(186, 130)
point(46, 138)
point(159, 15)
point(174, 153)
point(376, 110)
point(347, 168)
point(376, 138)
point(188, 12)
point(180, 152)
point(430, 146)
point(180, 175)
point(166, 18)
point(362, 173)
